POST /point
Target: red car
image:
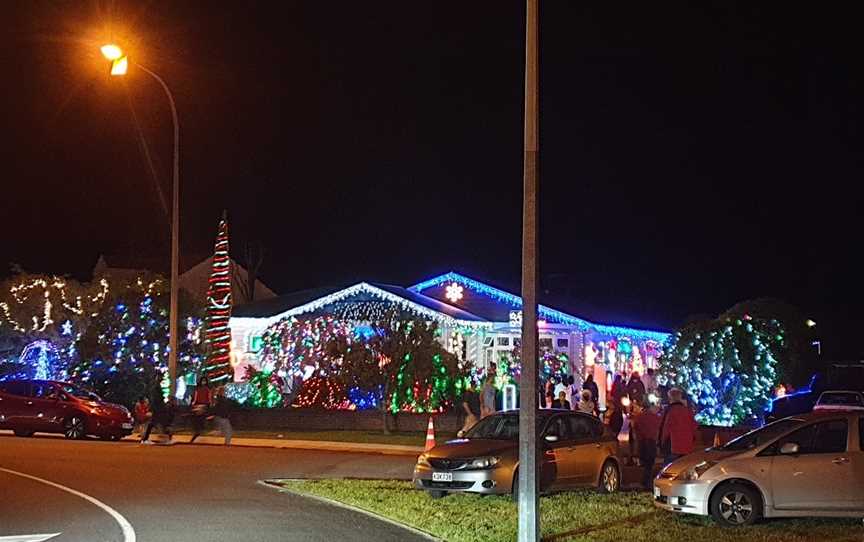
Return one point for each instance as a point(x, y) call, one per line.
point(43, 406)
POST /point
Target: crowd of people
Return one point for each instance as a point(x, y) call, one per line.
point(206, 405)
point(633, 407)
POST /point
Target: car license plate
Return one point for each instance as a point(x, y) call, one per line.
point(127, 426)
point(442, 476)
point(656, 492)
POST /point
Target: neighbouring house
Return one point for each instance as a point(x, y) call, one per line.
point(479, 323)
point(194, 275)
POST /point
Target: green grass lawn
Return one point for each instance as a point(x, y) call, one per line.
point(586, 516)
point(375, 437)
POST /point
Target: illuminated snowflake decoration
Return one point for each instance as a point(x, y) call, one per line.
point(454, 292)
point(67, 328)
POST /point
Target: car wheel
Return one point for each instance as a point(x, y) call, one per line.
point(437, 493)
point(736, 505)
point(74, 428)
point(23, 433)
point(610, 478)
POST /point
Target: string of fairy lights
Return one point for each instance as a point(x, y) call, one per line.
point(729, 372)
point(218, 332)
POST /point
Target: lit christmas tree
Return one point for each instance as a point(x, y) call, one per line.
point(727, 367)
point(218, 333)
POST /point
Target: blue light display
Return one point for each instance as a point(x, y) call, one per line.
point(546, 313)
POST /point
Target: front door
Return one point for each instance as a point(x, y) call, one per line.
point(819, 476)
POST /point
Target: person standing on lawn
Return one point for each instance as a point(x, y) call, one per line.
point(221, 415)
point(586, 405)
point(143, 414)
point(469, 399)
point(650, 383)
point(636, 389)
point(487, 399)
point(618, 391)
point(646, 426)
point(562, 401)
point(568, 392)
point(201, 401)
point(614, 418)
point(677, 435)
point(591, 386)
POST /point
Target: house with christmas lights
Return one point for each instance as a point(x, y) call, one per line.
point(479, 324)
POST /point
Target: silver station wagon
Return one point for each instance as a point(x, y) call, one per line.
point(809, 465)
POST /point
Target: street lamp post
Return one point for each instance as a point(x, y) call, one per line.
point(119, 66)
point(529, 488)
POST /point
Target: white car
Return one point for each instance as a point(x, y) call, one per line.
point(810, 465)
point(840, 400)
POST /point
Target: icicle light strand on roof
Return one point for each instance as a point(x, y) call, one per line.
point(546, 313)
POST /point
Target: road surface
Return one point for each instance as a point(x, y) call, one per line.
point(86, 490)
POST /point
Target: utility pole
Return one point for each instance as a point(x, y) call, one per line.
point(529, 471)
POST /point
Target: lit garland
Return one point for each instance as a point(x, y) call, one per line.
point(509, 368)
point(292, 345)
point(218, 333)
point(362, 289)
point(546, 313)
point(264, 389)
point(727, 368)
point(322, 392)
point(41, 291)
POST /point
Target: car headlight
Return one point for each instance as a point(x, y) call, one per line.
point(483, 462)
point(696, 471)
point(423, 461)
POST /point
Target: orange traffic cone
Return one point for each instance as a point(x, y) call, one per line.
point(717, 439)
point(430, 435)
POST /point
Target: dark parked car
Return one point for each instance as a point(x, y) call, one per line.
point(43, 406)
point(838, 377)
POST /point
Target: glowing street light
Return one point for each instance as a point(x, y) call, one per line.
point(111, 51)
point(119, 66)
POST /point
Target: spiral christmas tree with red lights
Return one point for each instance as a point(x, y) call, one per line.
point(217, 333)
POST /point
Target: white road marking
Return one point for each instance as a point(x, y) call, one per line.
point(29, 537)
point(125, 526)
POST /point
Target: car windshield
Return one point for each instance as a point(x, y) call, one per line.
point(499, 427)
point(80, 393)
point(762, 435)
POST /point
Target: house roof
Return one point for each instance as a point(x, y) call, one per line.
point(480, 304)
point(495, 304)
point(314, 300)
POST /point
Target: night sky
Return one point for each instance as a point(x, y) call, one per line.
point(691, 157)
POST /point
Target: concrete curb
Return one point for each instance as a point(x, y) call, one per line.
point(274, 484)
point(321, 445)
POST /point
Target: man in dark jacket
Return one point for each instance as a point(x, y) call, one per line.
point(636, 389)
point(163, 417)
